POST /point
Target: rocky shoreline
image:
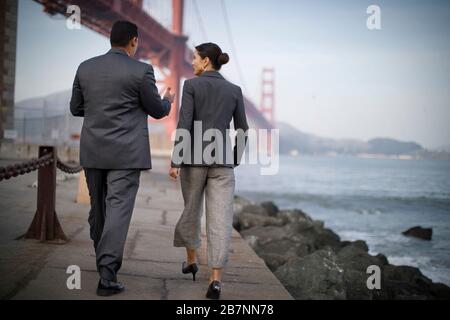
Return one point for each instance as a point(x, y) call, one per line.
point(313, 263)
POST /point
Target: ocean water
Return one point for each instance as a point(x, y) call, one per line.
point(367, 199)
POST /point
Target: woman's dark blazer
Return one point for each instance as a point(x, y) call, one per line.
point(212, 102)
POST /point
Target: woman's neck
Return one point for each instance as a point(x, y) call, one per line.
point(209, 68)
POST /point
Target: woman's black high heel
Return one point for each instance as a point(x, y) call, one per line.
point(213, 290)
point(192, 268)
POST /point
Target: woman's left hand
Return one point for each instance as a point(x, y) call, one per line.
point(174, 173)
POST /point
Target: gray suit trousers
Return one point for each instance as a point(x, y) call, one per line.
point(113, 193)
point(216, 186)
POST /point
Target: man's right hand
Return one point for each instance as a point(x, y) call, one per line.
point(169, 96)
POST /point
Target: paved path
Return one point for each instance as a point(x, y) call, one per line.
point(152, 266)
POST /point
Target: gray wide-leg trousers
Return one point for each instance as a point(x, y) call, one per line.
point(216, 186)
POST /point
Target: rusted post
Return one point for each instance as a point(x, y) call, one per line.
point(45, 225)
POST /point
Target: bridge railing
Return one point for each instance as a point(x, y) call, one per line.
point(45, 225)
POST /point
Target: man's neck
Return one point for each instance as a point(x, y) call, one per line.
point(124, 49)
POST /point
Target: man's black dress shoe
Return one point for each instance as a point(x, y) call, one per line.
point(213, 290)
point(107, 288)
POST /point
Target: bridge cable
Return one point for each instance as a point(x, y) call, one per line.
point(233, 48)
point(200, 21)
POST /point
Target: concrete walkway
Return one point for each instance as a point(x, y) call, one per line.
point(152, 266)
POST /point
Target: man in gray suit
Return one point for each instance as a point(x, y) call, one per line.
point(115, 94)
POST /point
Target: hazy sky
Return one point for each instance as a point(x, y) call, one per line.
point(334, 77)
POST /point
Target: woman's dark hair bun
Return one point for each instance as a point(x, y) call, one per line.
point(223, 58)
point(214, 53)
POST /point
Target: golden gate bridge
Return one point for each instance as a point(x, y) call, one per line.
point(166, 48)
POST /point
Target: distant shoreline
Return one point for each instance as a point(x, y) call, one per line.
point(403, 157)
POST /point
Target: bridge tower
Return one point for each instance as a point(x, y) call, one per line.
point(177, 56)
point(175, 70)
point(267, 105)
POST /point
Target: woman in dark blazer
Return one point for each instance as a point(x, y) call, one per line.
point(204, 160)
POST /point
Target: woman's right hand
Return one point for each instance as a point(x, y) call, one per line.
point(174, 173)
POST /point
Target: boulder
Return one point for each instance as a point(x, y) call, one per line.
point(255, 209)
point(440, 291)
point(278, 240)
point(273, 260)
point(326, 237)
point(406, 274)
point(407, 283)
point(270, 207)
point(356, 257)
point(239, 203)
point(316, 276)
point(356, 286)
point(357, 244)
point(294, 215)
point(382, 259)
point(247, 220)
point(419, 232)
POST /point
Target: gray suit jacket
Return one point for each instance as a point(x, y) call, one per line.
point(213, 101)
point(115, 94)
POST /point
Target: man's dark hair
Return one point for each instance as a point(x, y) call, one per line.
point(122, 32)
